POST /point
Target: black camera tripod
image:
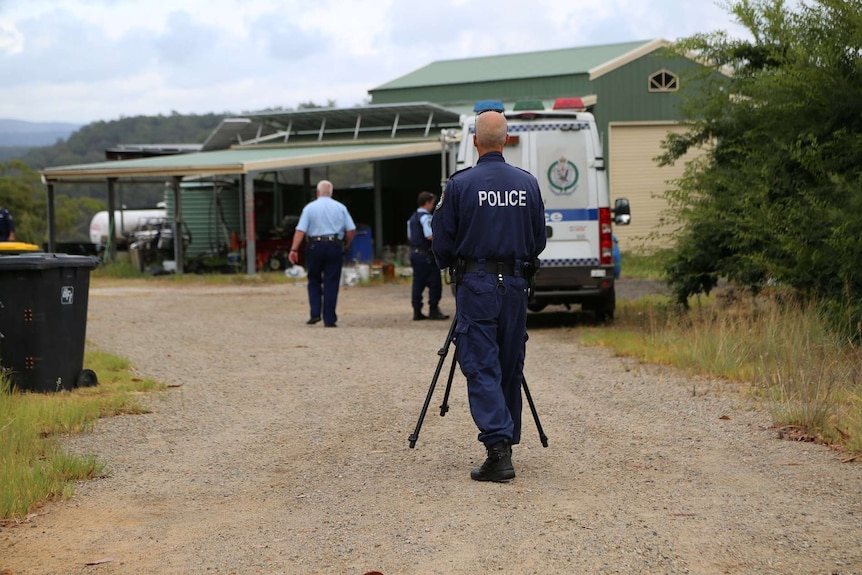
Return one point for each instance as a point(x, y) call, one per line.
point(444, 407)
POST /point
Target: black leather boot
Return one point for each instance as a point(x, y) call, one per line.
point(498, 466)
point(418, 315)
point(435, 313)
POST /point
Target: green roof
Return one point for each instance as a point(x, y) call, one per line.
point(245, 160)
point(562, 62)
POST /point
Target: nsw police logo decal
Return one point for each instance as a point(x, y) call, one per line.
point(563, 177)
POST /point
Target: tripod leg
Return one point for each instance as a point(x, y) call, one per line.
point(442, 352)
point(542, 437)
point(444, 407)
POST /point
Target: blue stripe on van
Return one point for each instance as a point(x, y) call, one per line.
point(577, 215)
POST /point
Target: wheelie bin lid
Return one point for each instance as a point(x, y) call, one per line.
point(42, 261)
point(14, 248)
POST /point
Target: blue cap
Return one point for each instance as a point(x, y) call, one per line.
point(489, 106)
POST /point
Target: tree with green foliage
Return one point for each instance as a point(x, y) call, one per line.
point(777, 196)
point(24, 195)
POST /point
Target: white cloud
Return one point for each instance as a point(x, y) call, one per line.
point(11, 40)
point(85, 60)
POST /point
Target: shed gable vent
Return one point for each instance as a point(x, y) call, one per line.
point(663, 81)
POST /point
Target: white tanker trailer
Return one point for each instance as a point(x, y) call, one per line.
point(125, 223)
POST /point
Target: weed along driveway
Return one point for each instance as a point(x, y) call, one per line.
point(283, 448)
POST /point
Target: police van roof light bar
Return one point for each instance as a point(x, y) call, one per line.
point(488, 106)
point(569, 104)
point(528, 105)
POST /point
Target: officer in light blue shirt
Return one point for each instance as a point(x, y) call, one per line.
point(490, 226)
point(326, 226)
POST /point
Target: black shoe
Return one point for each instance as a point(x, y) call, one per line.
point(435, 313)
point(418, 315)
point(330, 325)
point(498, 465)
point(313, 320)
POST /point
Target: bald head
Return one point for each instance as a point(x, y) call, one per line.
point(490, 132)
point(324, 188)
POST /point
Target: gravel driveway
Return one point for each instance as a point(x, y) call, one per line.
point(283, 448)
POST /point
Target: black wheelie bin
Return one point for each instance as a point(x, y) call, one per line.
point(43, 320)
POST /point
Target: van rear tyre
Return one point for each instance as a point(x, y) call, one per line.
point(605, 309)
point(604, 316)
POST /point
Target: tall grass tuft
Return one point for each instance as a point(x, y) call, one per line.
point(33, 465)
point(785, 352)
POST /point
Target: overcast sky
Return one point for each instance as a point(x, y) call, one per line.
point(86, 60)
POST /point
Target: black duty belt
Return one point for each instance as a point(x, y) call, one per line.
point(491, 267)
point(324, 239)
point(419, 251)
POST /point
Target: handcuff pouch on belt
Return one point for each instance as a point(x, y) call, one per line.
point(456, 271)
point(429, 257)
point(528, 270)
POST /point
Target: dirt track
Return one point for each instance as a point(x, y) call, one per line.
point(284, 449)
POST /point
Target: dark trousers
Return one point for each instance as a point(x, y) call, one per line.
point(490, 341)
point(324, 261)
point(425, 274)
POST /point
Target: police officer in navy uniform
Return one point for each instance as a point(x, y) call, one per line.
point(425, 270)
point(7, 226)
point(489, 227)
point(328, 229)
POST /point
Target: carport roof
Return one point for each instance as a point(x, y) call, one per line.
point(244, 160)
point(270, 141)
point(321, 124)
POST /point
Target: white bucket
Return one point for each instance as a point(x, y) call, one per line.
point(349, 277)
point(364, 271)
point(296, 272)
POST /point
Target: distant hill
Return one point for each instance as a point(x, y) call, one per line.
point(88, 144)
point(20, 133)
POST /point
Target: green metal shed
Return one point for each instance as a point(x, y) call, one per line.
point(632, 88)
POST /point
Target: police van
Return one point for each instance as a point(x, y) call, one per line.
point(562, 149)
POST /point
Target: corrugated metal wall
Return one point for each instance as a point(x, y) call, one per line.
point(211, 211)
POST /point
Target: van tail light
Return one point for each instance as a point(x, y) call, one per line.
point(606, 241)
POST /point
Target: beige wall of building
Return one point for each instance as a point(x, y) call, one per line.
point(634, 174)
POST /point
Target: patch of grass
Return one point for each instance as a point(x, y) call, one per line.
point(783, 352)
point(33, 466)
point(121, 269)
point(643, 265)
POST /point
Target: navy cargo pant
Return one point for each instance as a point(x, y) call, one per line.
point(323, 261)
point(426, 273)
point(490, 341)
